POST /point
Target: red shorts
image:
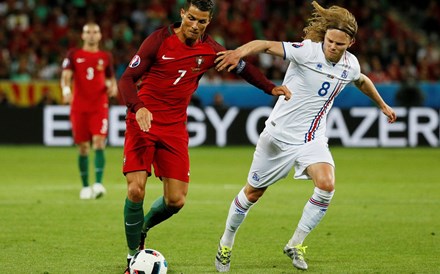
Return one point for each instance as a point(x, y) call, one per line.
point(87, 124)
point(163, 147)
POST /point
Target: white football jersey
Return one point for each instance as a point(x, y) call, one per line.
point(314, 82)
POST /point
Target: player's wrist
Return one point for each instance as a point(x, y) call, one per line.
point(66, 91)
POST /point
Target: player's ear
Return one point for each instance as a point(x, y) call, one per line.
point(182, 13)
point(352, 42)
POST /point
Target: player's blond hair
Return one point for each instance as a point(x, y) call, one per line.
point(323, 19)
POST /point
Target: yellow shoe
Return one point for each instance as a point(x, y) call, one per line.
point(223, 258)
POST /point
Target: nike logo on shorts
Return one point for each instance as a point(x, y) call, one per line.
point(167, 58)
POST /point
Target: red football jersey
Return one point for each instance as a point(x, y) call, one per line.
point(90, 69)
point(170, 71)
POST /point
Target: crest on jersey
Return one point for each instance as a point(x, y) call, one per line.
point(297, 45)
point(344, 74)
point(135, 61)
point(100, 65)
point(199, 61)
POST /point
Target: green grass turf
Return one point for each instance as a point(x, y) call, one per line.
point(384, 217)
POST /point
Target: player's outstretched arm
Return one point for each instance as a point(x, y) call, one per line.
point(367, 87)
point(229, 59)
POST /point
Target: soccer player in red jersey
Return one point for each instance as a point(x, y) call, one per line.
point(91, 72)
point(157, 87)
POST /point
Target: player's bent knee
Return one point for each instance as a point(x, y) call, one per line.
point(326, 186)
point(135, 193)
point(175, 205)
point(326, 183)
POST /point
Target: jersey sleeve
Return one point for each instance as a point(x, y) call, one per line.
point(68, 61)
point(356, 69)
point(138, 66)
point(298, 52)
point(247, 71)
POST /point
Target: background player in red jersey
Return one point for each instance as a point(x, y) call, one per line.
point(169, 65)
point(90, 70)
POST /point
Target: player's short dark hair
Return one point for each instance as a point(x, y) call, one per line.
point(203, 5)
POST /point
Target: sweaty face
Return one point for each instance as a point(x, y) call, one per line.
point(336, 43)
point(194, 23)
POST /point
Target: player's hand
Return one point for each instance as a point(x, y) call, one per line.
point(282, 90)
point(227, 60)
point(144, 118)
point(112, 89)
point(389, 112)
point(67, 99)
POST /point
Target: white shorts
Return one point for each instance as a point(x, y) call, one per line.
point(274, 159)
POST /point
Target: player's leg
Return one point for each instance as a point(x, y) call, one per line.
point(81, 137)
point(139, 149)
point(323, 177)
point(170, 203)
point(320, 168)
point(133, 209)
point(83, 166)
point(238, 211)
point(98, 124)
point(83, 162)
point(98, 144)
point(171, 164)
point(271, 162)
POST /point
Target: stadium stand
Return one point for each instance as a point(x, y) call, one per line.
point(397, 40)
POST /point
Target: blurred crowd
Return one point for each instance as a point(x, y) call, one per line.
point(396, 41)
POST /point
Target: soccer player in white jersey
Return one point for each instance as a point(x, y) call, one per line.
point(294, 135)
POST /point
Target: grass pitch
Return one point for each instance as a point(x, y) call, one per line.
point(384, 217)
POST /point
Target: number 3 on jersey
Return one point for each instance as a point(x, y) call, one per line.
point(324, 89)
point(182, 73)
point(90, 73)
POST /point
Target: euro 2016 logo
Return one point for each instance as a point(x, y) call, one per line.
point(135, 61)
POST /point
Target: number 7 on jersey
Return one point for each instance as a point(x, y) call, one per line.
point(182, 73)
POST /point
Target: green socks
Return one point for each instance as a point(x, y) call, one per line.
point(134, 220)
point(158, 213)
point(99, 165)
point(83, 164)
